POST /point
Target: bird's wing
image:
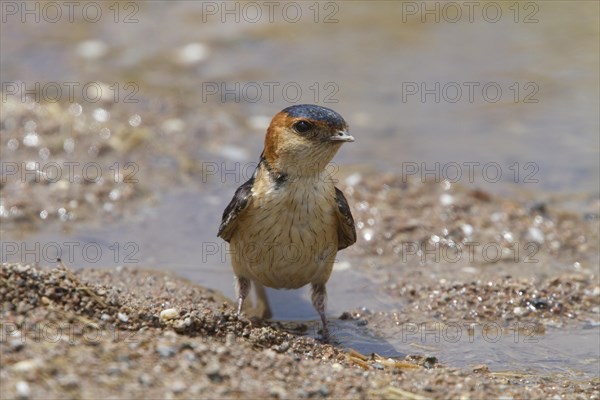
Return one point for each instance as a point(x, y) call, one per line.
point(236, 206)
point(346, 230)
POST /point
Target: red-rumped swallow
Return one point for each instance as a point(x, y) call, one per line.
point(286, 224)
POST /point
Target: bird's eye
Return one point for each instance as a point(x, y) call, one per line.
point(302, 126)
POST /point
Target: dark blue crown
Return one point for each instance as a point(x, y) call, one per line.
point(316, 113)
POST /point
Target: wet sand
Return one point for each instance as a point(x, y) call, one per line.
point(138, 333)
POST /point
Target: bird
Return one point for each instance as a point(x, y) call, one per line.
point(286, 224)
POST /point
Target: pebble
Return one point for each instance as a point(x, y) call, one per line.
point(69, 381)
point(145, 379)
point(535, 235)
point(168, 314)
point(283, 347)
point(114, 370)
point(519, 311)
point(123, 317)
point(212, 367)
point(337, 367)
point(467, 229)
point(324, 391)
point(213, 371)
point(23, 390)
point(230, 339)
point(178, 386)
point(16, 345)
point(27, 365)
point(192, 53)
point(279, 392)
point(481, 369)
point(92, 49)
point(166, 351)
point(446, 199)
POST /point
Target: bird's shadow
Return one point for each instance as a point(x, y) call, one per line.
point(293, 314)
point(345, 333)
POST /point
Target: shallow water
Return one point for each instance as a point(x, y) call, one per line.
point(572, 353)
point(543, 138)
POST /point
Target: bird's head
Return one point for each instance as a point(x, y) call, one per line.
point(302, 139)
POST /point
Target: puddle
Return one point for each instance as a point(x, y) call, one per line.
point(573, 353)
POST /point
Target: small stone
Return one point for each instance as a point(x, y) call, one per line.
point(213, 371)
point(27, 365)
point(345, 316)
point(145, 379)
point(166, 351)
point(69, 381)
point(467, 229)
point(178, 386)
point(212, 367)
point(535, 235)
point(123, 317)
point(182, 325)
point(230, 339)
point(481, 369)
point(192, 53)
point(168, 314)
point(446, 199)
point(16, 345)
point(92, 49)
point(430, 362)
point(283, 347)
point(270, 354)
point(114, 370)
point(519, 311)
point(279, 392)
point(337, 367)
point(23, 390)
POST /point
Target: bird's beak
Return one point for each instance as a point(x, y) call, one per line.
point(341, 136)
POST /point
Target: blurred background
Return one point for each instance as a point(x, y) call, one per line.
point(126, 126)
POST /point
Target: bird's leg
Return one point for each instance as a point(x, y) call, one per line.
point(262, 302)
point(319, 298)
point(243, 288)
